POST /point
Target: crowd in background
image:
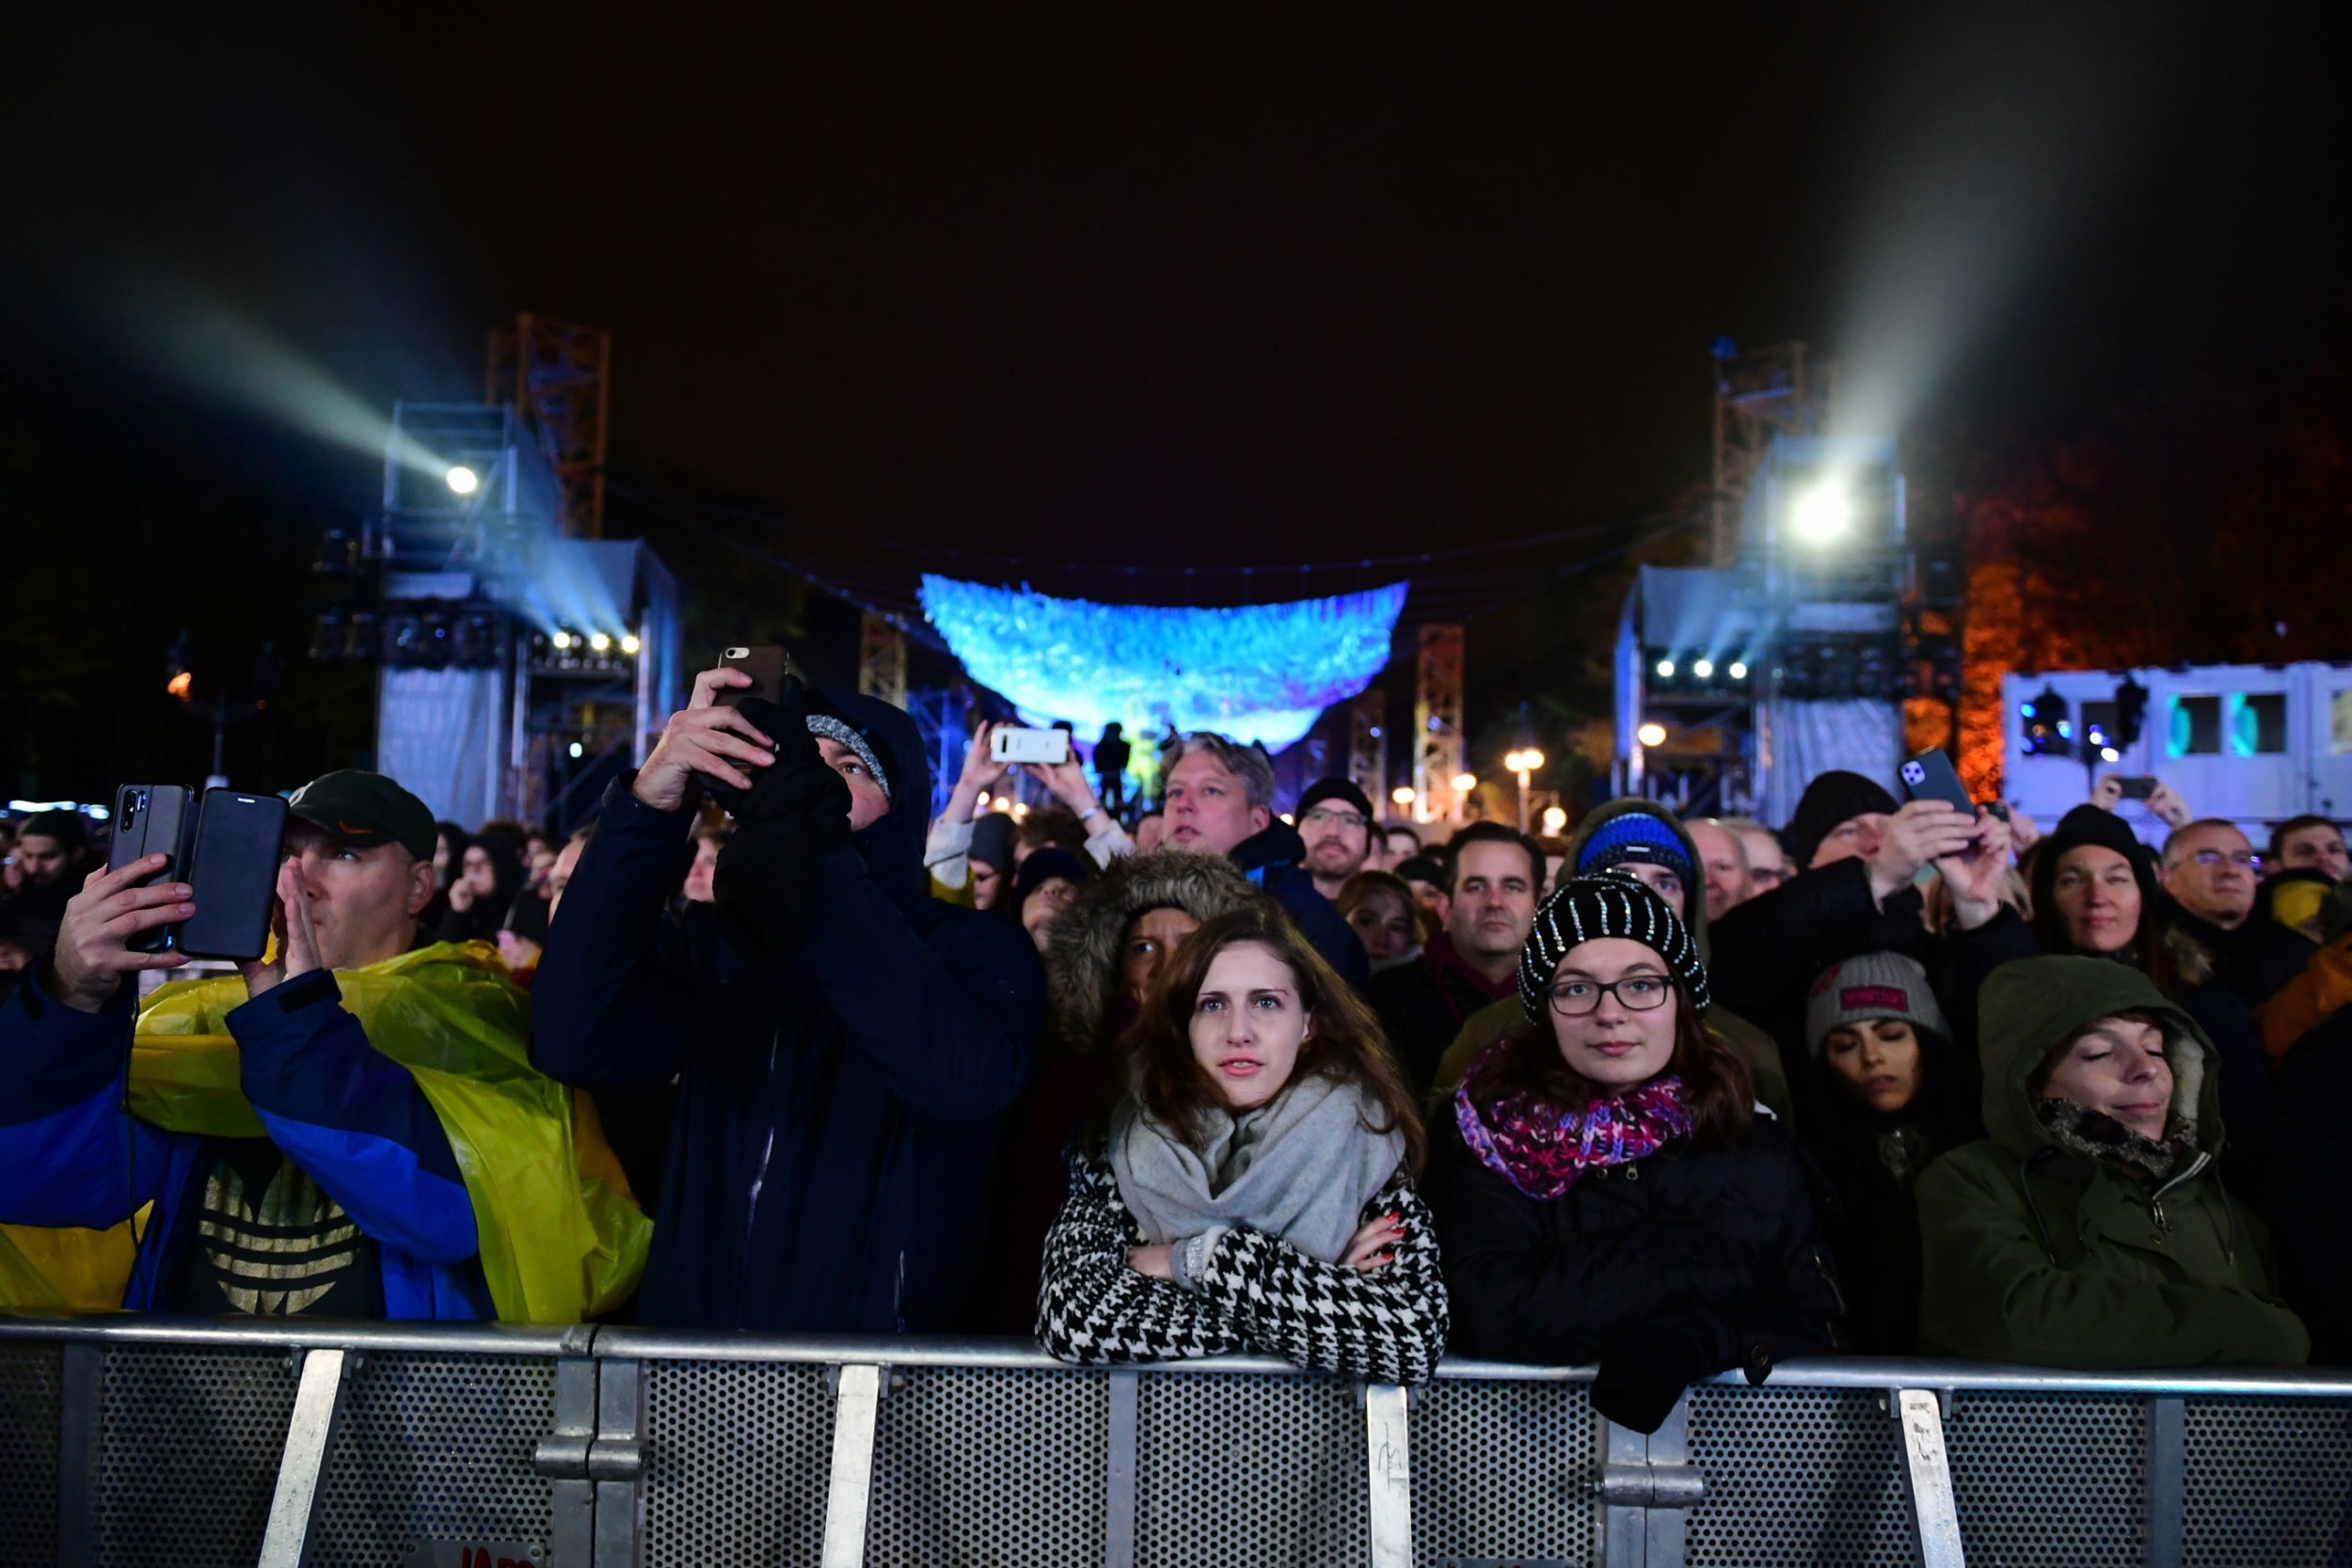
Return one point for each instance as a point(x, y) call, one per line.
point(1149, 1078)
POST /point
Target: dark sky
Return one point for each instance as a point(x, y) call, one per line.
point(1234, 286)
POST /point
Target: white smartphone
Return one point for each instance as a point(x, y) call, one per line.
point(1009, 744)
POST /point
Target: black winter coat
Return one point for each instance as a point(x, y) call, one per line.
point(1271, 859)
point(2307, 1153)
point(837, 1120)
point(1722, 1242)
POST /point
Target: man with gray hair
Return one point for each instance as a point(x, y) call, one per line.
point(1220, 801)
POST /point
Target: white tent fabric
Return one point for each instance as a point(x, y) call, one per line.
point(1803, 740)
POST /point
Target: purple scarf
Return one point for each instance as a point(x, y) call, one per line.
point(1541, 1148)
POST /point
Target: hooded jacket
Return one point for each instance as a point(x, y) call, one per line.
point(2038, 1253)
point(838, 1114)
point(1488, 1025)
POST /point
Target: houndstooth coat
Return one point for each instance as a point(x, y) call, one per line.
point(1257, 1292)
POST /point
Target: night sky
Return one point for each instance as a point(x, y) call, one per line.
point(1169, 287)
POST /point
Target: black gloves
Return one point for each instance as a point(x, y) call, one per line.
point(1647, 1366)
point(765, 886)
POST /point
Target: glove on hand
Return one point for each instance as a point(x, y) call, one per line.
point(1646, 1368)
point(765, 885)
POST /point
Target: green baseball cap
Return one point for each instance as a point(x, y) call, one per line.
point(364, 809)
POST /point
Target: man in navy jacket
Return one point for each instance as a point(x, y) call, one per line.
point(843, 1043)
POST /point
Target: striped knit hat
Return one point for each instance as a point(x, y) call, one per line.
point(1605, 906)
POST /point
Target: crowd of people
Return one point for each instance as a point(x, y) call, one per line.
point(767, 1046)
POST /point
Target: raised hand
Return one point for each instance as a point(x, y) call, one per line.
point(93, 944)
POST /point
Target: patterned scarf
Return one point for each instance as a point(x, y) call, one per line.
point(1541, 1150)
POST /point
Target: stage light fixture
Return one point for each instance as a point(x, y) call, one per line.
point(1822, 514)
point(562, 640)
point(599, 642)
point(464, 480)
point(629, 643)
point(1666, 669)
point(578, 751)
point(1704, 669)
point(1464, 783)
point(2109, 754)
point(1402, 795)
point(1737, 671)
point(1651, 734)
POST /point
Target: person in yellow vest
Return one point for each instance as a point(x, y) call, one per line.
point(350, 1128)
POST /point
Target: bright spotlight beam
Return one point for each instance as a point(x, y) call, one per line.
point(1822, 514)
point(464, 480)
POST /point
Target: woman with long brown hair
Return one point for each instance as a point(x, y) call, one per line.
point(1250, 1187)
point(1607, 1191)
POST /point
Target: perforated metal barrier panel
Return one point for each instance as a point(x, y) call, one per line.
point(131, 1446)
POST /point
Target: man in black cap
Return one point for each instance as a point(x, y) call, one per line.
point(325, 1181)
point(1335, 820)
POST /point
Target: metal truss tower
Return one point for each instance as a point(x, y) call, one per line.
point(559, 377)
point(1368, 746)
point(1437, 724)
point(882, 660)
point(1759, 397)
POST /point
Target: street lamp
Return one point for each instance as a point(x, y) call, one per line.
point(1402, 795)
point(1523, 764)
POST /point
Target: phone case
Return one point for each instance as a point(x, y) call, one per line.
point(767, 667)
point(1930, 776)
point(232, 864)
point(153, 819)
point(1020, 745)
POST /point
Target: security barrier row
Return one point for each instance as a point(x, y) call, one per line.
point(137, 1441)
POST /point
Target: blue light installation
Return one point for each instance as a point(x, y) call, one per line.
point(1254, 672)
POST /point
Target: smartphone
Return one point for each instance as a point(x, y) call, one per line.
point(234, 859)
point(1009, 744)
point(2138, 790)
point(152, 820)
point(767, 667)
point(1931, 776)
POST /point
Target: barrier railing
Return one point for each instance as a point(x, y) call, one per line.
point(136, 1441)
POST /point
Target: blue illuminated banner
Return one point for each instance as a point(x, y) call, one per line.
point(1254, 672)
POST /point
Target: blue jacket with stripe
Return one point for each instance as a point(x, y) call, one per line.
point(354, 1119)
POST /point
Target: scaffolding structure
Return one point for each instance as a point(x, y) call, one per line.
point(1368, 746)
point(1438, 755)
point(1759, 397)
point(558, 375)
point(882, 659)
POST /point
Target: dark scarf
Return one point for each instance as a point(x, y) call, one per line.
point(1542, 1149)
point(2110, 1142)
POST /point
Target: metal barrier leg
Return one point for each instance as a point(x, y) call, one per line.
point(562, 1455)
point(616, 1460)
point(79, 1392)
point(1647, 1485)
point(857, 1396)
point(310, 1437)
point(1928, 1475)
point(1119, 1472)
point(2168, 1481)
point(1389, 1453)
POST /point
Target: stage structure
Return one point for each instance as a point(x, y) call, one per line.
point(1737, 684)
point(1438, 757)
point(1760, 396)
point(1262, 672)
point(519, 669)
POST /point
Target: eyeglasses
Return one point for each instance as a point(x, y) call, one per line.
point(2212, 860)
point(1639, 994)
point(1323, 818)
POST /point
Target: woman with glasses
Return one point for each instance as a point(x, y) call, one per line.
point(1606, 1190)
point(2096, 893)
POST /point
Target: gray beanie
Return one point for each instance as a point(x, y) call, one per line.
point(1606, 905)
point(1876, 984)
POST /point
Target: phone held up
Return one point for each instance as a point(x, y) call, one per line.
point(1011, 744)
point(228, 849)
point(768, 667)
point(1931, 776)
point(2136, 789)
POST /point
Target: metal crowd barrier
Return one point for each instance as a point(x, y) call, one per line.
point(137, 1441)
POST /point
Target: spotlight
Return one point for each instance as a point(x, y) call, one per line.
point(1666, 669)
point(477, 639)
point(2047, 729)
point(562, 640)
point(1737, 671)
point(578, 750)
point(1651, 734)
point(629, 642)
point(1402, 795)
point(1822, 514)
point(599, 642)
point(464, 480)
point(1555, 821)
point(2109, 754)
point(1704, 669)
point(1464, 783)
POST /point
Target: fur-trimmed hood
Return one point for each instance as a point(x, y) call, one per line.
point(1082, 955)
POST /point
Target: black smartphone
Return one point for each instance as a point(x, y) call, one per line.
point(233, 864)
point(2138, 790)
point(767, 667)
point(153, 819)
point(1931, 776)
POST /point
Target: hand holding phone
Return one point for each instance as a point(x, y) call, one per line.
point(115, 909)
point(2134, 789)
point(1009, 743)
point(707, 738)
point(153, 819)
point(1931, 776)
point(234, 865)
point(768, 667)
